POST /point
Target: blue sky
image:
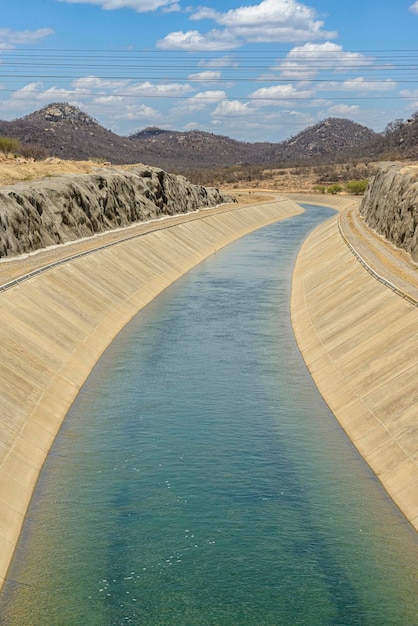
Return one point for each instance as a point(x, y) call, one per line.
point(256, 71)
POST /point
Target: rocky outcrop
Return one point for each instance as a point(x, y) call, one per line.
point(390, 206)
point(57, 210)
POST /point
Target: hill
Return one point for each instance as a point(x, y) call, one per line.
point(201, 149)
point(327, 139)
point(67, 132)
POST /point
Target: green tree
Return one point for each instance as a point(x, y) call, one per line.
point(8, 145)
point(334, 189)
point(356, 187)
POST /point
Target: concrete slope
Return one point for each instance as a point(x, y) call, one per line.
point(55, 326)
point(360, 342)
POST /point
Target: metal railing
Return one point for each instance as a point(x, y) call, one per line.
point(199, 213)
point(400, 292)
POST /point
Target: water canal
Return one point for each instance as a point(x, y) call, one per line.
point(200, 479)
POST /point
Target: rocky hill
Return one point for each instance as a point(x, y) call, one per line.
point(330, 137)
point(200, 149)
point(400, 139)
point(55, 210)
point(69, 133)
point(390, 206)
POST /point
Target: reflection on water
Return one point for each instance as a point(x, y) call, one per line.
point(200, 479)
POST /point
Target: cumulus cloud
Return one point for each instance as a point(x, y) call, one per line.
point(205, 76)
point(124, 88)
point(343, 109)
point(140, 6)
point(201, 101)
point(305, 62)
point(147, 88)
point(270, 21)
point(233, 108)
point(140, 112)
point(412, 96)
point(33, 95)
point(224, 61)
point(193, 40)
point(93, 82)
point(265, 96)
point(414, 7)
point(10, 38)
point(364, 86)
point(34, 92)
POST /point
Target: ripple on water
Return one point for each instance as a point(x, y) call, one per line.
point(200, 480)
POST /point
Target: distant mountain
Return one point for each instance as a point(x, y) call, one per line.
point(69, 133)
point(196, 148)
point(328, 138)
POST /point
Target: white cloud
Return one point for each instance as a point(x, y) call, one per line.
point(158, 90)
point(140, 6)
point(113, 100)
point(205, 76)
point(10, 38)
point(33, 95)
point(365, 86)
point(233, 108)
point(305, 62)
point(123, 89)
point(225, 61)
point(414, 7)
point(274, 21)
point(412, 96)
point(191, 126)
point(93, 82)
point(137, 112)
point(266, 96)
point(409, 93)
point(28, 91)
point(171, 8)
point(200, 101)
point(343, 109)
point(193, 40)
point(34, 92)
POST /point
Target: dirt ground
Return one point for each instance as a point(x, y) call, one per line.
point(13, 170)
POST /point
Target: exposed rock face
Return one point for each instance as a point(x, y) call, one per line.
point(390, 206)
point(56, 210)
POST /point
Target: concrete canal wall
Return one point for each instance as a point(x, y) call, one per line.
point(55, 326)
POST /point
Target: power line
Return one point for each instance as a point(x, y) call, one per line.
point(310, 98)
point(332, 69)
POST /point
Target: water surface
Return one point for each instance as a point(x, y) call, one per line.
point(200, 479)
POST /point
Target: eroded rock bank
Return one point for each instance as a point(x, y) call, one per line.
point(390, 206)
point(57, 210)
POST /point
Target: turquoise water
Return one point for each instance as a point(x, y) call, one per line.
point(199, 478)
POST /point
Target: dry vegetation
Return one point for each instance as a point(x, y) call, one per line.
point(13, 170)
point(303, 178)
point(285, 180)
